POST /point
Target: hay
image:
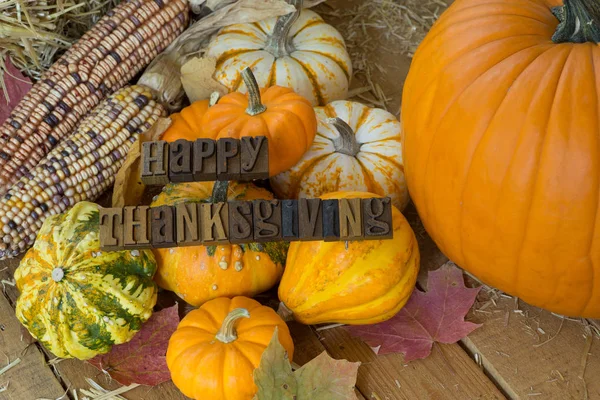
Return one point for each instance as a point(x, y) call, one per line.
point(397, 25)
point(34, 33)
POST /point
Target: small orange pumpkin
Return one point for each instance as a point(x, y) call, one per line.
point(201, 273)
point(215, 349)
point(284, 117)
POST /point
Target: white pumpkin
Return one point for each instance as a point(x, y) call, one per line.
point(357, 148)
point(298, 50)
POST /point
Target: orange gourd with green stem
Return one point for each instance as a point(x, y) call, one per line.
point(501, 128)
point(215, 349)
point(354, 283)
point(201, 273)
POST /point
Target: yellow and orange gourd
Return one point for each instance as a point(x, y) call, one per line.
point(501, 137)
point(366, 283)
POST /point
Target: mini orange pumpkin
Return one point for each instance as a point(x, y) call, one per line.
point(215, 349)
point(284, 117)
point(201, 273)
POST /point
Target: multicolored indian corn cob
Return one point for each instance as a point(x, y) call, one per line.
point(108, 56)
point(78, 168)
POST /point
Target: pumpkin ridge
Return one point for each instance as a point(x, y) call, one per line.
point(535, 181)
point(595, 223)
point(240, 79)
point(453, 102)
point(335, 60)
point(260, 28)
point(310, 74)
point(227, 55)
point(308, 24)
point(295, 183)
point(477, 148)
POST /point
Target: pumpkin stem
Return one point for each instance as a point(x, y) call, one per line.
point(227, 333)
point(345, 143)
point(219, 192)
point(280, 43)
point(214, 98)
point(579, 22)
point(255, 106)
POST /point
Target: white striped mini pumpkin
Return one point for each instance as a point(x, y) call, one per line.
point(357, 148)
point(298, 50)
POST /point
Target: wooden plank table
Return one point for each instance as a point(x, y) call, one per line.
point(520, 352)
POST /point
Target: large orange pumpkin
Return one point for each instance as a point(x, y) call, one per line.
point(215, 349)
point(501, 133)
point(201, 273)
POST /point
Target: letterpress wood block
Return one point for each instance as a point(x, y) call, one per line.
point(228, 159)
point(254, 158)
point(214, 221)
point(240, 222)
point(310, 219)
point(331, 220)
point(111, 229)
point(351, 227)
point(188, 224)
point(163, 227)
point(377, 218)
point(289, 220)
point(205, 160)
point(155, 161)
point(267, 220)
point(136, 227)
point(180, 161)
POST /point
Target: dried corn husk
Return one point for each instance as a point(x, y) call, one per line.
point(192, 43)
point(129, 189)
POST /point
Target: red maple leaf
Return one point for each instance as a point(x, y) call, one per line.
point(433, 316)
point(16, 84)
point(143, 359)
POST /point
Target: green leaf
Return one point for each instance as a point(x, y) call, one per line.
point(274, 376)
point(323, 378)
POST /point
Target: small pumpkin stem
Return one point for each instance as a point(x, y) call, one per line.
point(280, 43)
point(345, 143)
point(255, 106)
point(227, 333)
point(219, 192)
point(579, 22)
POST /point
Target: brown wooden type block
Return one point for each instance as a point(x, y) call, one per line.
point(180, 161)
point(187, 225)
point(351, 227)
point(214, 222)
point(331, 220)
point(205, 160)
point(240, 222)
point(289, 220)
point(377, 218)
point(136, 227)
point(254, 158)
point(228, 159)
point(111, 229)
point(163, 227)
point(155, 162)
point(267, 220)
point(310, 219)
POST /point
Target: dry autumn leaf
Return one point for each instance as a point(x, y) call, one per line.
point(13, 86)
point(433, 316)
point(129, 189)
point(323, 378)
point(143, 359)
point(197, 79)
